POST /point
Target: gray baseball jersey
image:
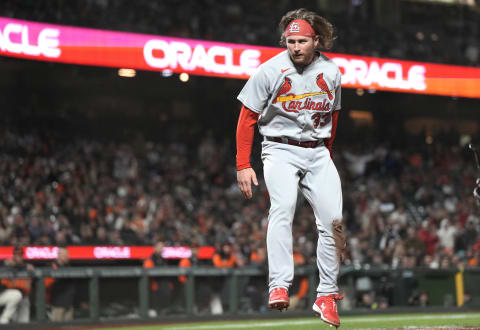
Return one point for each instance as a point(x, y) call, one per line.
point(292, 104)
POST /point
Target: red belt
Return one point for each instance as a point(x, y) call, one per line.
point(304, 144)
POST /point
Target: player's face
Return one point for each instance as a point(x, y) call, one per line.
point(301, 49)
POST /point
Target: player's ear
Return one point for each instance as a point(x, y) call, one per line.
point(316, 41)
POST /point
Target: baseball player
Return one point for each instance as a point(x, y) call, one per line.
point(295, 99)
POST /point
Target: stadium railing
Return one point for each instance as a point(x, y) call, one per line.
point(442, 280)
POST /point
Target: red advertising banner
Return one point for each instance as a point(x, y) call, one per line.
point(106, 252)
point(48, 42)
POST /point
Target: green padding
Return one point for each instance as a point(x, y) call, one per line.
point(440, 288)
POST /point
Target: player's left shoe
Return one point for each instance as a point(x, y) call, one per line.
point(326, 308)
point(278, 299)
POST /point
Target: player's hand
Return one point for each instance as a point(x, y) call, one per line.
point(245, 178)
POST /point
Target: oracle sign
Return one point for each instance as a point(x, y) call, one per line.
point(128, 50)
point(107, 252)
point(388, 74)
point(15, 38)
point(176, 252)
point(116, 252)
point(48, 42)
point(217, 59)
point(41, 253)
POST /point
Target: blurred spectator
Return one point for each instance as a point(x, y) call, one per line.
point(366, 300)
point(162, 288)
point(415, 246)
point(224, 258)
point(419, 298)
point(428, 234)
point(61, 290)
point(429, 261)
point(377, 259)
point(467, 298)
point(409, 261)
point(423, 300)
point(9, 300)
point(475, 259)
point(16, 291)
point(299, 289)
point(357, 162)
point(203, 285)
point(102, 237)
point(398, 255)
point(445, 263)
point(255, 290)
point(446, 234)
point(382, 303)
point(470, 234)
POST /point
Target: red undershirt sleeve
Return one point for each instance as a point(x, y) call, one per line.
point(245, 133)
point(329, 141)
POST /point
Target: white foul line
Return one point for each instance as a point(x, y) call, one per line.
point(313, 321)
point(248, 325)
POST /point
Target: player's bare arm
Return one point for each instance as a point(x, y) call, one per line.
point(245, 178)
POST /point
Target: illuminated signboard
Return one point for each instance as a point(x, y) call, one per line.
point(106, 252)
point(47, 42)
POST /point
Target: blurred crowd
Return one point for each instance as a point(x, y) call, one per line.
point(395, 29)
point(413, 207)
point(403, 207)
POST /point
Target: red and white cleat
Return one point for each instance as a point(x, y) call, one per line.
point(278, 299)
point(326, 308)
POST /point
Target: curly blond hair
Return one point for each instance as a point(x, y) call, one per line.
point(322, 27)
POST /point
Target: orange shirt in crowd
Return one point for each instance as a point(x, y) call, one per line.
point(22, 284)
point(224, 263)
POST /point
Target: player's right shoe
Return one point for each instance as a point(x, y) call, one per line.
point(326, 308)
point(278, 299)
